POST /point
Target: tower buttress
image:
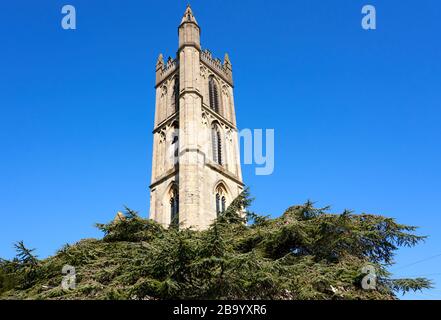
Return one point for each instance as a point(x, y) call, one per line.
point(190, 118)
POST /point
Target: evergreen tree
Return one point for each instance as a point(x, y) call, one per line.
point(306, 253)
point(25, 265)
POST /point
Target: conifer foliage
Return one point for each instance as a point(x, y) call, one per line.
point(307, 253)
point(22, 272)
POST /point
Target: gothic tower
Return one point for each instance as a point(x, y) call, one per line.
point(196, 169)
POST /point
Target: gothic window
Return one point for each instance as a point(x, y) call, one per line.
point(220, 199)
point(216, 144)
point(174, 207)
point(214, 94)
point(175, 98)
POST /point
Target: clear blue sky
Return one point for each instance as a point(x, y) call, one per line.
point(356, 113)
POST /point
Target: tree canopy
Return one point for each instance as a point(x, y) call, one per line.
point(306, 253)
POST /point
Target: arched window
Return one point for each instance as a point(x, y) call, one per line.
point(214, 94)
point(175, 98)
point(174, 207)
point(220, 199)
point(216, 142)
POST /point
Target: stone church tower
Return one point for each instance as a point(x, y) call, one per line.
point(196, 169)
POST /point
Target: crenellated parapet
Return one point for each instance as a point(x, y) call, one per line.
point(164, 70)
point(224, 69)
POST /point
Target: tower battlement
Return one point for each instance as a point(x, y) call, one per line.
point(224, 69)
point(166, 69)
